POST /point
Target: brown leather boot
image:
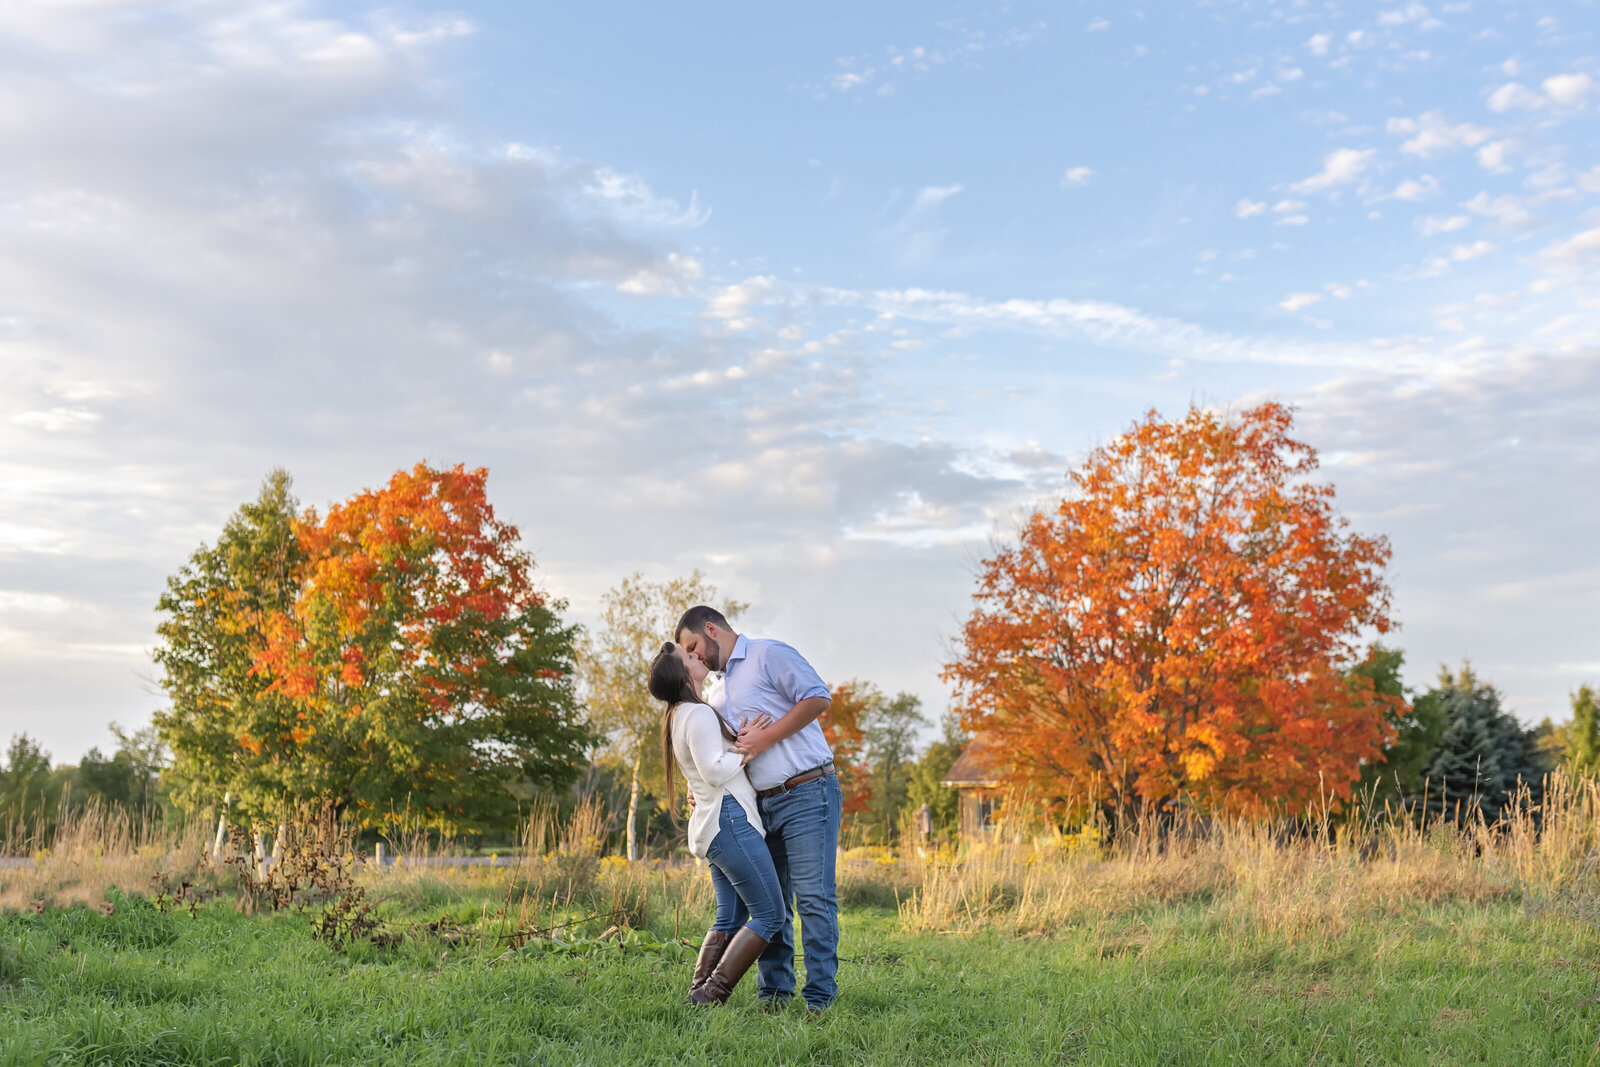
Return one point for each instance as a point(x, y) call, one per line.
point(710, 952)
point(741, 952)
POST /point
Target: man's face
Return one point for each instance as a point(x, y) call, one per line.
point(704, 647)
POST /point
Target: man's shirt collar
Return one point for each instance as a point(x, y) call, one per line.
point(741, 648)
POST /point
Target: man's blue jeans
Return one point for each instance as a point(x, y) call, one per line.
point(803, 836)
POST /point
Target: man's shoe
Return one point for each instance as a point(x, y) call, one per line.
point(711, 950)
point(737, 958)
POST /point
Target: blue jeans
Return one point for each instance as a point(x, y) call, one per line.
point(803, 837)
point(741, 872)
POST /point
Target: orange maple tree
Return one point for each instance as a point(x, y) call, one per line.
point(1178, 627)
point(841, 726)
point(418, 665)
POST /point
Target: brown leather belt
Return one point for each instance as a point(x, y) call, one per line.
point(800, 779)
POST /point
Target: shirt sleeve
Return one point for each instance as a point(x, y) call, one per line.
point(791, 676)
point(717, 764)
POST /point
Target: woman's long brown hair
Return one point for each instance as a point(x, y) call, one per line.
point(670, 683)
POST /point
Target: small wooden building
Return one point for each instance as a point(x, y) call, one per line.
point(976, 781)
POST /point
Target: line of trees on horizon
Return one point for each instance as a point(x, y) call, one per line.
point(1189, 626)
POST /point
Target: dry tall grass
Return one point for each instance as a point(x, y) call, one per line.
point(97, 848)
point(1264, 879)
point(1311, 880)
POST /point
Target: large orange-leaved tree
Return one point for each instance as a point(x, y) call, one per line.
point(1179, 628)
point(403, 659)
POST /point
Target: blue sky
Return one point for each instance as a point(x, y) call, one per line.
point(818, 299)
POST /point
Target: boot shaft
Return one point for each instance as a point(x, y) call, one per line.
point(742, 951)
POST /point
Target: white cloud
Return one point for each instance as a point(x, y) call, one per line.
point(734, 304)
point(1459, 254)
point(1098, 321)
point(1435, 224)
point(1492, 156)
point(1414, 189)
point(1513, 96)
point(1574, 256)
point(1589, 180)
point(1097, 25)
point(1343, 165)
point(1508, 209)
point(1430, 133)
point(1076, 176)
point(671, 276)
point(1568, 88)
point(932, 196)
point(1410, 13)
point(1318, 43)
point(56, 420)
point(1247, 207)
point(1297, 301)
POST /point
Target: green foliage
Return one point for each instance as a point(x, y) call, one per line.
point(637, 617)
point(216, 607)
point(889, 733)
point(28, 790)
point(1483, 755)
point(1582, 735)
point(392, 655)
point(1417, 728)
point(130, 777)
point(873, 737)
point(944, 805)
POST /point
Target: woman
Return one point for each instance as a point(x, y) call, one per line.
point(724, 827)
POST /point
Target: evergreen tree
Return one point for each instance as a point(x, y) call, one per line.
point(1483, 755)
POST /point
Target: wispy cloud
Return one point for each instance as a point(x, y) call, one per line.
point(1342, 166)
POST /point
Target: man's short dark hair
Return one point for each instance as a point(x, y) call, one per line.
point(695, 620)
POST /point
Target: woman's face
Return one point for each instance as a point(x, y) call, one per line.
point(697, 670)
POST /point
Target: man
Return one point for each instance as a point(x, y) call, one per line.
point(791, 767)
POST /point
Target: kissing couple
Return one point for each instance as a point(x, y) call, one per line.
point(764, 801)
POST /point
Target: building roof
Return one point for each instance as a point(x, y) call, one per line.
point(975, 768)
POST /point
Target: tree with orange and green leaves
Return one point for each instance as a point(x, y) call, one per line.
point(1177, 629)
point(405, 660)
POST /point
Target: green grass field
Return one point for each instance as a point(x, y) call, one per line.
point(1447, 983)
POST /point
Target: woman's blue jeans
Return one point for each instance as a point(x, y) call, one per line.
point(743, 876)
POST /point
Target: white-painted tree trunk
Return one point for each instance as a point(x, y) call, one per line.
point(633, 805)
point(222, 828)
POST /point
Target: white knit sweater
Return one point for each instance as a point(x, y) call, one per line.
point(713, 770)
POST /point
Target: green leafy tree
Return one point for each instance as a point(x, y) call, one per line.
point(130, 777)
point(889, 732)
point(1417, 728)
point(1582, 735)
point(392, 653)
point(926, 774)
point(1483, 755)
point(216, 609)
point(27, 788)
point(636, 618)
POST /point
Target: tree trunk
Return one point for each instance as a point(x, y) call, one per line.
point(633, 805)
point(222, 828)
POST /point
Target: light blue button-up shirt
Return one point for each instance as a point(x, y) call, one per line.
point(770, 676)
